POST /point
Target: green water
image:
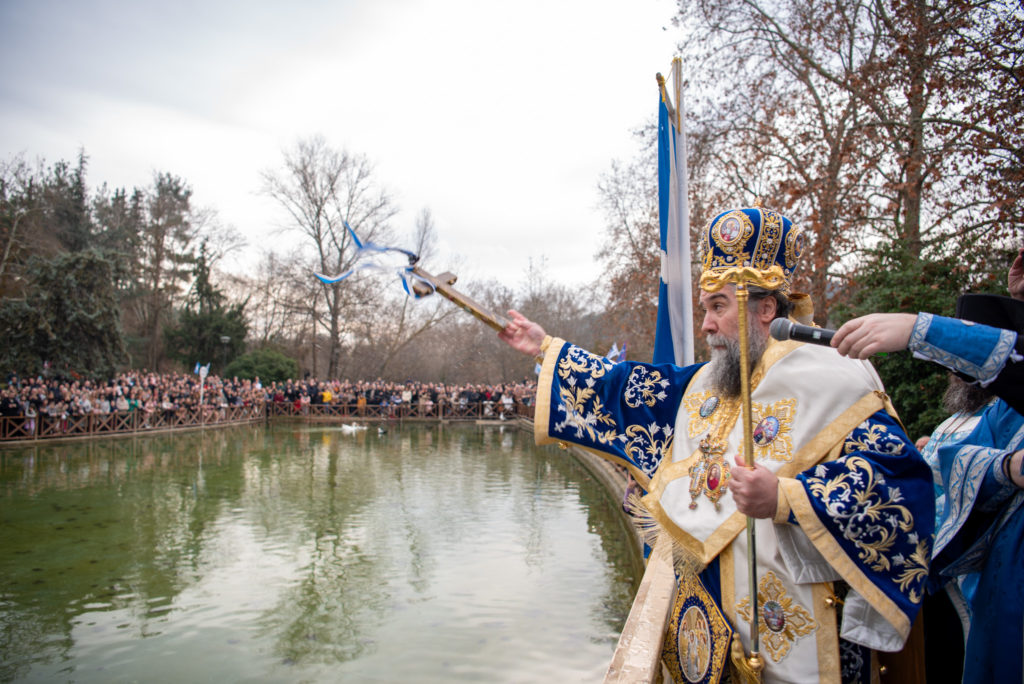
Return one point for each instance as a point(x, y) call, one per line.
point(299, 554)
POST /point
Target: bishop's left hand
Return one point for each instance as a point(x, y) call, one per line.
point(755, 491)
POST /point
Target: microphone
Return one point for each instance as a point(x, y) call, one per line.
point(784, 329)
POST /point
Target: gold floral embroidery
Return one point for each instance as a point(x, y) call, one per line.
point(583, 408)
point(644, 448)
point(873, 437)
point(915, 570)
point(781, 621)
point(766, 252)
point(780, 446)
point(574, 403)
point(577, 360)
point(697, 423)
point(870, 516)
point(645, 386)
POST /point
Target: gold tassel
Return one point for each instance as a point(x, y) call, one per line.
point(748, 669)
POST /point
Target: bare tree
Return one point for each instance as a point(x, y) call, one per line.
point(402, 319)
point(273, 290)
point(871, 120)
point(19, 201)
point(321, 189)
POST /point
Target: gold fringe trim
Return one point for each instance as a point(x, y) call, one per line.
point(686, 563)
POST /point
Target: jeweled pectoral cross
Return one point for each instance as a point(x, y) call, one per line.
point(710, 474)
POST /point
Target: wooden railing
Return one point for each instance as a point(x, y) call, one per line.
point(120, 422)
point(483, 410)
point(21, 428)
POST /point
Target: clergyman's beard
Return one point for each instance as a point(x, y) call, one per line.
point(964, 397)
point(725, 363)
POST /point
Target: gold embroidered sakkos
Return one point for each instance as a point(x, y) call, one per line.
point(779, 417)
point(700, 419)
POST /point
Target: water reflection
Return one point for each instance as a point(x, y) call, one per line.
point(432, 554)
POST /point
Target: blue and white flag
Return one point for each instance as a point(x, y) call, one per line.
point(616, 355)
point(673, 339)
point(196, 369)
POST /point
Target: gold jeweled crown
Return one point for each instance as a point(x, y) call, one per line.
point(754, 237)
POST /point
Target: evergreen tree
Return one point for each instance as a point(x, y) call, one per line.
point(207, 330)
point(897, 280)
point(70, 318)
point(66, 201)
point(269, 365)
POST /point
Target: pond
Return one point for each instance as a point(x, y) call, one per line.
point(317, 554)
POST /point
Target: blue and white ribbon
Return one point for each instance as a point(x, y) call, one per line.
point(365, 259)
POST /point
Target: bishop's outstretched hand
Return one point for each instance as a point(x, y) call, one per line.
point(523, 334)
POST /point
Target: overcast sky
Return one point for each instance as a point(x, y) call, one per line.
point(498, 117)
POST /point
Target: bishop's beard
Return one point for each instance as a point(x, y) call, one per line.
point(725, 363)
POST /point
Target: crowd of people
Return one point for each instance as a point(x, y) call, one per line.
point(167, 394)
point(426, 398)
point(150, 393)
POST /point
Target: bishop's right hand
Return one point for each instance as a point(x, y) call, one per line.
point(522, 334)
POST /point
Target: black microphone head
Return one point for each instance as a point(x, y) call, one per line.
point(779, 329)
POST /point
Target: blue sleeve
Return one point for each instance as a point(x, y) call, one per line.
point(625, 411)
point(876, 501)
point(975, 350)
point(995, 488)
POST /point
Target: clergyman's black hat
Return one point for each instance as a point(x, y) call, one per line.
point(1006, 313)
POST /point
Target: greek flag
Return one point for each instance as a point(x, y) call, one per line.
point(616, 355)
point(673, 339)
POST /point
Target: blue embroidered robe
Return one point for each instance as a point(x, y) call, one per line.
point(855, 502)
point(979, 542)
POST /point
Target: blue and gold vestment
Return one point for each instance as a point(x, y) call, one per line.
point(979, 542)
point(855, 502)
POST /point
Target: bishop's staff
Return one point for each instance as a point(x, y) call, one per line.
point(744, 277)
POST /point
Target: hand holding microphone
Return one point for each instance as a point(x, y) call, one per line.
point(785, 329)
point(874, 334)
point(858, 338)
